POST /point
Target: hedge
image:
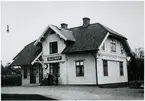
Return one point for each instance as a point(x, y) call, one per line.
point(11, 80)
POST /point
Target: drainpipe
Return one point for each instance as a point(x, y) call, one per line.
point(94, 55)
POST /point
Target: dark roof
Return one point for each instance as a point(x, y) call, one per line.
point(67, 33)
point(27, 55)
point(112, 32)
point(89, 38)
point(86, 39)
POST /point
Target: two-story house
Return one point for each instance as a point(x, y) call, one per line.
point(91, 54)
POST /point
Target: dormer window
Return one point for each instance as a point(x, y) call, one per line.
point(113, 46)
point(53, 47)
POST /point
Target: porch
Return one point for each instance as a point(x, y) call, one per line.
point(32, 74)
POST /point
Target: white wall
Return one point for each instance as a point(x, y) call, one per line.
point(25, 81)
point(61, 46)
point(89, 69)
point(113, 72)
point(63, 73)
point(108, 48)
point(113, 64)
point(52, 38)
point(68, 68)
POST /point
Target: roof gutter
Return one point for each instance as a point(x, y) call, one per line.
point(95, 57)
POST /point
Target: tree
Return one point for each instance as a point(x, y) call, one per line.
point(135, 68)
point(8, 70)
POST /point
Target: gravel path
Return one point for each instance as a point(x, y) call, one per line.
point(79, 92)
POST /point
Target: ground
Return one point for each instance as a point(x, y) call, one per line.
point(79, 92)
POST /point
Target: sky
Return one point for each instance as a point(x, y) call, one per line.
point(28, 20)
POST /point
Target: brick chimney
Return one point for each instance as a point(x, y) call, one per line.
point(86, 21)
point(64, 25)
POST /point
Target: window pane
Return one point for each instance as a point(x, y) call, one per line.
point(82, 69)
point(53, 47)
point(121, 68)
point(50, 46)
point(105, 68)
point(79, 68)
point(77, 63)
point(113, 46)
point(121, 49)
point(77, 71)
point(81, 63)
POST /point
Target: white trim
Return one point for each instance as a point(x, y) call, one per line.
point(57, 32)
point(58, 61)
point(36, 58)
point(104, 40)
point(41, 35)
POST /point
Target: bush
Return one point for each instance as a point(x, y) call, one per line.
point(11, 80)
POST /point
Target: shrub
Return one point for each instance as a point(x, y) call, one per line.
point(11, 80)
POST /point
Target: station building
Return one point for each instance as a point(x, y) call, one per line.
point(90, 54)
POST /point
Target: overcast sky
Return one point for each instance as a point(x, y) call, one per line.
point(27, 20)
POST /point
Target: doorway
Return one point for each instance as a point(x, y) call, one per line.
point(33, 74)
point(54, 69)
point(40, 74)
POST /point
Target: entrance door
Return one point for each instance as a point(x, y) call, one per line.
point(40, 74)
point(32, 75)
point(54, 69)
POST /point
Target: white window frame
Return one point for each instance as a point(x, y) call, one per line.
point(113, 45)
point(79, 65)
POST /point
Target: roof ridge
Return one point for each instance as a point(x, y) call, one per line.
point(111, 30)
point(82, 26)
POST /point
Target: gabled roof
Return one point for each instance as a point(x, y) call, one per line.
point(79, 39)
point(89, 38)
point(27, 55)
point(113, 32)
point(66, 33)
point(63, 33)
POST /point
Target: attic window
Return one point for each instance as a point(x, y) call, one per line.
point(113, 46)
point(53, 47)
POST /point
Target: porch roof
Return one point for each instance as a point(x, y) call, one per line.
point(27, 55)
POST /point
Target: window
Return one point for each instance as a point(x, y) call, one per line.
point(53, 47)
point(103, 47)
point(121, 68)
point(105, 67)
point(25, 72)
point(80, 68)
point(113, 46)
point(121, 49)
